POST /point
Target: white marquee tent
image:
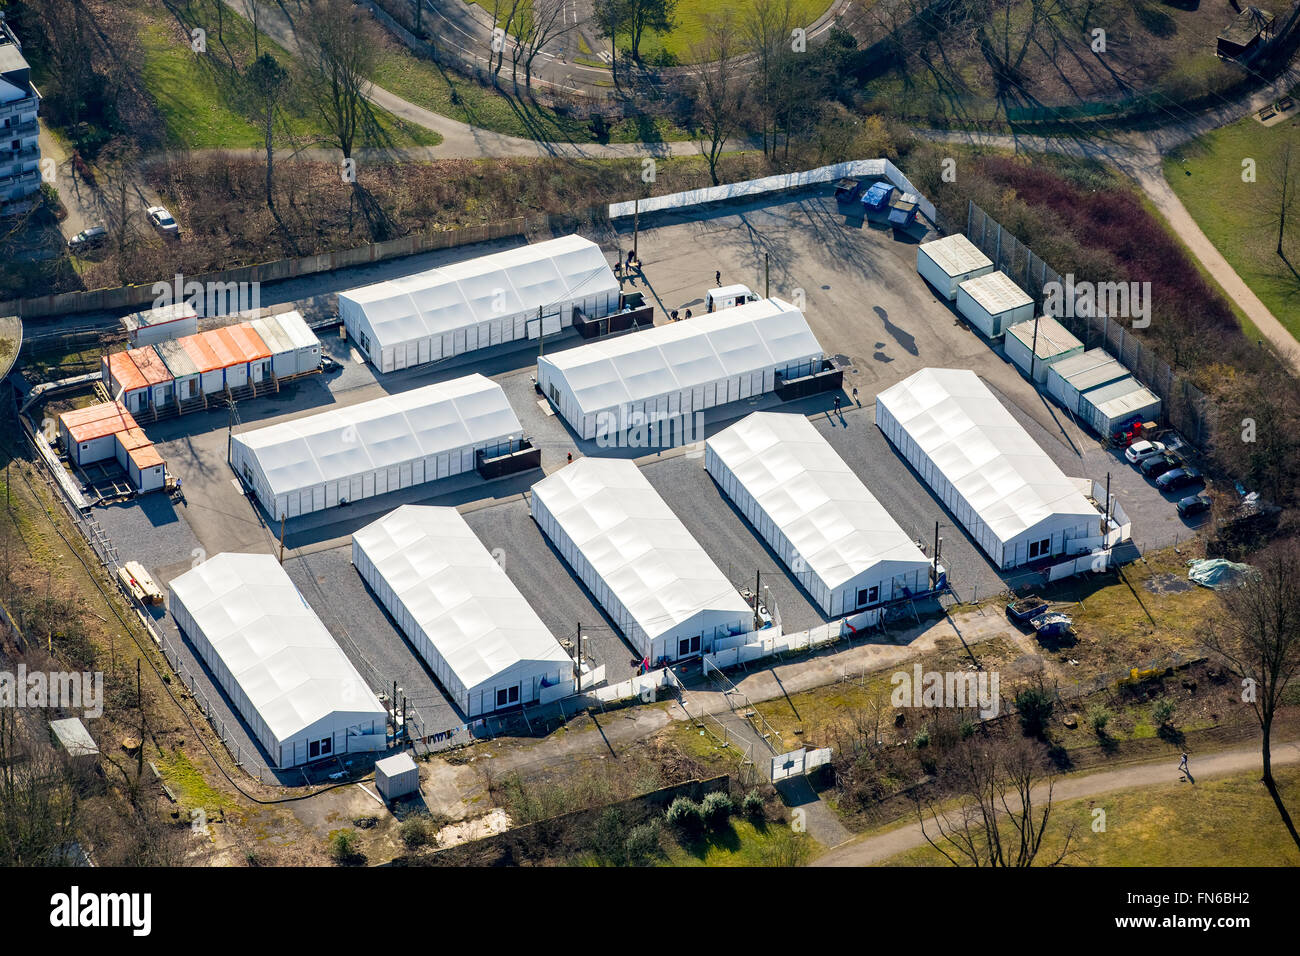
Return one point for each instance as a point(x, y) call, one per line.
point(452, 600)
point(482, 302)
point(644, 568)
point(1011, 497)
point(835, 537)
point(270, 653)
point(345, 454)
point(680, 368)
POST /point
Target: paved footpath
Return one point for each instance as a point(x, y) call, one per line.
point(875, 849)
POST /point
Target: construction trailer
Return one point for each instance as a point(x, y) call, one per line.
point(1068, 379)
point(1108, 406)
point(275, 661)
point(1015, 502)
point(161, 324)
point(373, 448)
point(836, 538)
point(638, 560)
point(504, 297)
point(992, 302)
point(1037, 344)
point(462, 614)
point(948, 262)
point(675, 371)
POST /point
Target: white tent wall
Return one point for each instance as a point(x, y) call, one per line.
point(481, 624)
point(479, 303)
point(946, 263)
point(679, 369)
point(1074, 522)
point(379, 446)
point(836, 503)
point(634, 553)
point(353, 718)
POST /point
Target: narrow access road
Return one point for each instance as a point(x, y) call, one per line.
point(868, 850)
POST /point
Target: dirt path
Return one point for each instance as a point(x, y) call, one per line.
point(872, 849)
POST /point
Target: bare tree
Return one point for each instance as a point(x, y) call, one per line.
point(505, 14)
point(1257, 633)
point(1000, 820)
point(338, 54)
point(1283, 189)
point(255, 19)
point(39, 806)
point(766, 27)
point(612, 17)
point(717, 88)
point(543, 22)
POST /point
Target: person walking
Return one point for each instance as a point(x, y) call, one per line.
point(837, 404)
point(688, 313)
point(717, 279)
point(1182, 764)
point(855, 396)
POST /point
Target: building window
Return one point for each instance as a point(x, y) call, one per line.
point(502, 697)
point(869, 595)
point(555, 394)
point(320, 748)
point(1040, 549)
point(514, 694)
point(688, 645)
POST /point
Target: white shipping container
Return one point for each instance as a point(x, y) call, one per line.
point(946, 263)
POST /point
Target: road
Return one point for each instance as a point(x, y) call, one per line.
point(877, 848)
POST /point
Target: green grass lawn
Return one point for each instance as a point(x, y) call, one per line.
point(1230, 821)
point(743, 844)
point(691, 17)
point(1235, 215)
point(448, 94)
point(199, 98)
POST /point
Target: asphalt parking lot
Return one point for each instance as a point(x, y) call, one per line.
point(863, 299)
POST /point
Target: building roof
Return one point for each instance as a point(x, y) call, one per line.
point(1246, 26)
point(1116, 398)
point(237, 344)
point(458, 594)
point(293, 325)
point(199, 348)
point(146, 456)
point(956, 255)
point(381, 433)
point(983, 452)
point(150, 365)
point(1089, 369)
point(97, 421)
point(74, 736)
point(285, 662)
point(996, 292)
point(667, 358)
point(132, 438)
point(835, 524)
point(178, 361)
point(635, 543)
point(466, 293)
point(176, 312)
point(269, 331)
point(1053, 338)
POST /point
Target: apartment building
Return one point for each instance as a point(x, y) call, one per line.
point(20, 154)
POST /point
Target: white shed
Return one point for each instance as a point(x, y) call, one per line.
point(637, 559)
point(1039, 343)
point(306, 344)
point(397, 776)
point(1069, 378)
point(994, 478)
point(161, 324)
point(946, 263)
point(346, 454)
point(992, 302)
point(479, 303)
point(679, 369)
point(813, 510)
point(273, 658)
point(1106, 407)
point(185, 373)
point(465, 618)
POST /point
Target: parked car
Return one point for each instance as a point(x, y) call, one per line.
point(1178, 478)
point(1193, 505)
point(1157, 465)
point(88, 238)
point(1023, 610)
point(329, 364)
point(1140, 451)
point(162, 220)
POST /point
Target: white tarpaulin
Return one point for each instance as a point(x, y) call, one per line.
point(274, 659)
point(478, 303)
point(346, 454)
point(680, 368)
point(838, 541)
point(1012, 498)
point(638, 559)
point(455, 604)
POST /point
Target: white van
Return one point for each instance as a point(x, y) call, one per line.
point(727, 296)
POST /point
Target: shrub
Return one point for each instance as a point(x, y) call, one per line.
point(642, 843)
point(716, 810)
point(685, 816)
point(416, 831)
point(753, 806)
point(609, 836)
point(922, 738)
point(1034, 704)
point(1163, 712)
point(343, 846)
point(1098, 718)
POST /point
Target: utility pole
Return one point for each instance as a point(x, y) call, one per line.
point(282, 539)
point(577, 663)
point(636, 225)
point(541, 333)
point(1033, 349)
point(758, 589)
point(767, 275)
point(139, 702)
point(1105, 521)
point(934, 568)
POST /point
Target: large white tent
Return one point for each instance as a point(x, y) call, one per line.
point(680, 368)
point(482, 302)
point(454, 603)
point(1011, 497)
point(835, 537)
point(644, 568)
point(345, 454)
point(280, 667)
